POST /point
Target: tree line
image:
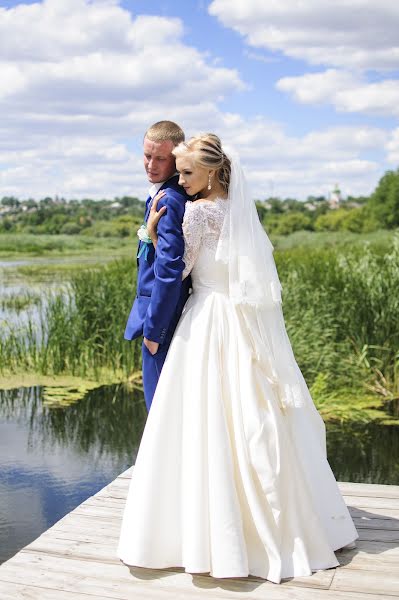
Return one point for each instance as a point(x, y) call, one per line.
point(362, 214)
point(120, 216)
point(99, 218)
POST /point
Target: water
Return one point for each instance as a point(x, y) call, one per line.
point(53, 458)
point(364, 453)
point(12, 284)
point(37, 285)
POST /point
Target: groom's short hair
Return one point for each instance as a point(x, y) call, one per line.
point(164, 131)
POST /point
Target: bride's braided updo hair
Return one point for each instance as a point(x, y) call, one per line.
point(207, 151)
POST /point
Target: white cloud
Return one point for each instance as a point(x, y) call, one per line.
point(344, 33)
point(85, 78)
point(345, 91)
point(307, 165)
point(350, 37)
point(80, 80)
point(317, 87)
point(275, 162)
point(392, 147)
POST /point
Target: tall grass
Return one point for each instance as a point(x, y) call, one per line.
point(19, 301)
point(342, 313)
point(17, 244)
point(341, 308)
point(80, 330)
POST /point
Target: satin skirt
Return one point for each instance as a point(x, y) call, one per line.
point(227, 481)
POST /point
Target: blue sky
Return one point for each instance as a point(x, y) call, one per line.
point(307, 92)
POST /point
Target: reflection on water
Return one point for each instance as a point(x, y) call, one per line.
point(53, 458)
point(367, 453)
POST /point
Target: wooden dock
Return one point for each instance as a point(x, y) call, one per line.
point(75, 559)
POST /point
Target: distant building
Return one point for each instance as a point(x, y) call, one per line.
point(310, 206)
point(335, 198)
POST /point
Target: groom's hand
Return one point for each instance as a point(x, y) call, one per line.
point(152, 346)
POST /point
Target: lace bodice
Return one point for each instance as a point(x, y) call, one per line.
point(202, 224)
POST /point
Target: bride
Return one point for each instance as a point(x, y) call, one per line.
point(231, 477)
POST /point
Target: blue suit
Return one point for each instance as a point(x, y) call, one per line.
point(161, 293)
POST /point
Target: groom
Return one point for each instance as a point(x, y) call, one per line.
point(161, 293)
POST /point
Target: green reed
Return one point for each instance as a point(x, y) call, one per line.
point(342, 313)
point(80, 329)
point(19, 302)
point(340, 305)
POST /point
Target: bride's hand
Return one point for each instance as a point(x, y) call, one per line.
point(154, 216)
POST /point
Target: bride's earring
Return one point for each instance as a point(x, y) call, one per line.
point(209, 182)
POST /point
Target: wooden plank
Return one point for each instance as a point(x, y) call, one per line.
point(369, 489)
point(77, 558)
point(103, 509)
point(101, 551)
point(378, 535)
point(364, 502)
point(363, 523)
point(118, 582)
point(378, 513)
point(346, 488)
point(23, 591)
point(83, 550)
point(366, 581)
point(17, 591)
point(126, 474)
point(378, 556)
point(95, 536)
point(104, 501)
point(80, 523)
point(367, 555)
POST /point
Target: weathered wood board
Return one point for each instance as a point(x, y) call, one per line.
point(76, 559)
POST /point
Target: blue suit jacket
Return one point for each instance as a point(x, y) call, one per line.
point(161, 293)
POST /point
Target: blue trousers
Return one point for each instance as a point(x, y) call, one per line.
point(152, 367)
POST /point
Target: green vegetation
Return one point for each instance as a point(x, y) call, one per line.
point(339, 303)
point(27, 244)
point(80, 331)
point(345, 241)
point(384, 202)
point(338, 260)
point(342, 316)
point(55, 216)
point(319, 214)
point(120, 217)
point(19, 302)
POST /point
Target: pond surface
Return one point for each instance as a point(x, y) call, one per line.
point(53, 458)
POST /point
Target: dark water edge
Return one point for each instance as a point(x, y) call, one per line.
point(53, 458)
point(364, 453)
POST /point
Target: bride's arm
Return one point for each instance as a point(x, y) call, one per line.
point(154, 216)
point(193, 230)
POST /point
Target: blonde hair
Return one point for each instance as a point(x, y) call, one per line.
point(207, 151)
point(165, 131)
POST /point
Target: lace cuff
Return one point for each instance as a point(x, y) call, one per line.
point(193, 231)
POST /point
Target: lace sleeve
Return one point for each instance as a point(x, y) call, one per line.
point(193, 229)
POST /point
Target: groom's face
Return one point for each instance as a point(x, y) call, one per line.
point(159, 161)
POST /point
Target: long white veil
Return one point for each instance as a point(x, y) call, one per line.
point(255, 288)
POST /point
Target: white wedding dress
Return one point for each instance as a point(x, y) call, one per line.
point(227, 480)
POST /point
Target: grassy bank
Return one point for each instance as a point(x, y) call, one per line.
point(22, 245)
point(345, 240)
